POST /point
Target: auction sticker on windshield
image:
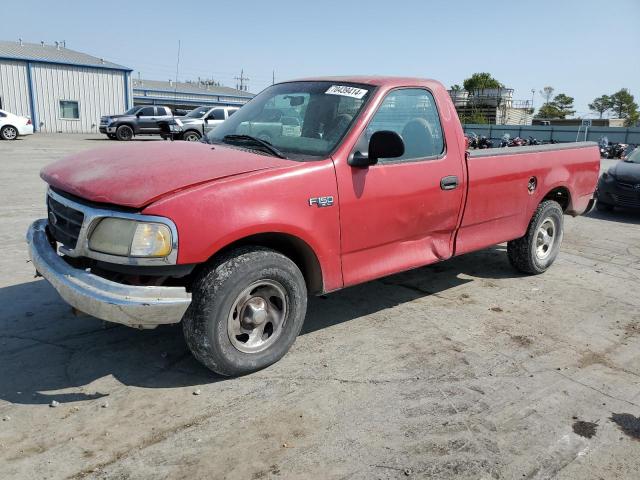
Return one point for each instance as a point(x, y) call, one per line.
point(346, 91)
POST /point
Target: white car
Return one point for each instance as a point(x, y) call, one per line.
point(12, 126)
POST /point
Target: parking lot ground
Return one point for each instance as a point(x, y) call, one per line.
point(463, 369)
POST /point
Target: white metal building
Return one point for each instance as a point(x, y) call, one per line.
point(60, 89)
point(186, 96)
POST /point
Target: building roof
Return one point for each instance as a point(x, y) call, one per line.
point(182, 87)
point(38, 52)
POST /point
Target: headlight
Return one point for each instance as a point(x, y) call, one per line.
point(119, 236)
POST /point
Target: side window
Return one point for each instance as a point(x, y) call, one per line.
point(69, 110)
point(231, 111)
point(2, 115)
point(411, 113)
point(218, 114)
point(162, 111)
point(147, 112)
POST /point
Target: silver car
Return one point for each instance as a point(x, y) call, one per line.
point(200, 121)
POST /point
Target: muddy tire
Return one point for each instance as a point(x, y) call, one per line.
point(247, 310)
point(538, 248)
point(124, 133)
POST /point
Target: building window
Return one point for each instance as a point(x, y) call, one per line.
point(69, 110)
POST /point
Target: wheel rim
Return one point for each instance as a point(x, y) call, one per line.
point(10, 133)
point(126, 133)
point(257, 316)
point(191, 137)
point(546, 238)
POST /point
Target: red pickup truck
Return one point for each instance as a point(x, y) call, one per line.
point(230, 235)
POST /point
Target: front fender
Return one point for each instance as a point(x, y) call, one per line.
point(212, 216)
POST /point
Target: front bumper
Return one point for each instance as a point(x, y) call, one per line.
point(619, 193)
point(107, 129)
point(134, 306)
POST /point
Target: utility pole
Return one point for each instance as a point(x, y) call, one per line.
point(242, 86)
point(273, 77)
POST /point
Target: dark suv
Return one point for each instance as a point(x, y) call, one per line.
point(140, 120)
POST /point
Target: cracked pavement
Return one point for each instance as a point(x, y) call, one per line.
point(463, 369)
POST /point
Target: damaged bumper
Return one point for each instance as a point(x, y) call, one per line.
point(134, 306)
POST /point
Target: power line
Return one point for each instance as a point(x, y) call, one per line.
point(242, 86)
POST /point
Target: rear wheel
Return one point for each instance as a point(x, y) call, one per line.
point(124, 133)
point(247, 310)
point(9, 132)
point(538, 248)
point(191, 136)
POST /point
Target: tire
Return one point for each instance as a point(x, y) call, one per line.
point(603, 207)
point(538, 248)
point(124, 133)
point(111, 136)
point(9, 132)
point(223, 323)
point(191, 136)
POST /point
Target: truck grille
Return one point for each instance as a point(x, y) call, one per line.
point(64, 223)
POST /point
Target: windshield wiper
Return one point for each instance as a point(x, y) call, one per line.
point(257, 141)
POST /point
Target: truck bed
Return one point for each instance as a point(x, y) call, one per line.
point(499, 204)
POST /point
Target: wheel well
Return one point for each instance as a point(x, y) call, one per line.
point(292, 247)
point(560, 195)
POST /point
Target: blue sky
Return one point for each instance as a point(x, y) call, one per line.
point(582, 48)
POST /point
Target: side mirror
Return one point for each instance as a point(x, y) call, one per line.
point(382, 144)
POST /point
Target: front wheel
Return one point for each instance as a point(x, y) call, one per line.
point(9, 132)
point(538, 248)
point(191, 136)
point(124, 133)
point(247, 310)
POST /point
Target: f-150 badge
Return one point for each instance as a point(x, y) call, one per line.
point(321, 201)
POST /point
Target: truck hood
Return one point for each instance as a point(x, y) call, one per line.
point(137, 175)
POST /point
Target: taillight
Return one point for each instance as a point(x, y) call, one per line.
point(28, 121)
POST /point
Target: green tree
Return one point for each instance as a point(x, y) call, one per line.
point(601, 105)
point(624, 106)
point(564, 104)
point(479, 81)
point(548, 110)
point(560, 107)
point(456, 88)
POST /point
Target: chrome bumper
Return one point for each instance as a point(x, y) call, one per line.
point(135, 306)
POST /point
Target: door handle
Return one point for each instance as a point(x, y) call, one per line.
point(449, 183)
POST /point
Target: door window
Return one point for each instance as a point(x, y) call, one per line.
point(412, 114)
point(217, 114)
point(147, 112)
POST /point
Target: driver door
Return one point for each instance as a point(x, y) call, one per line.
point(401, 212)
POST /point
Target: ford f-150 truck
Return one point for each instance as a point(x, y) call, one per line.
point(229, 236)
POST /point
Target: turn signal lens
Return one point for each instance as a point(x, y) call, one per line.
point(151, 240)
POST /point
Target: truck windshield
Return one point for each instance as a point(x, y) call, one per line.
point(132, 111)
point(303, 120)
point(198, 112)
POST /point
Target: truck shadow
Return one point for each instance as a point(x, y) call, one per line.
point(49, 354)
